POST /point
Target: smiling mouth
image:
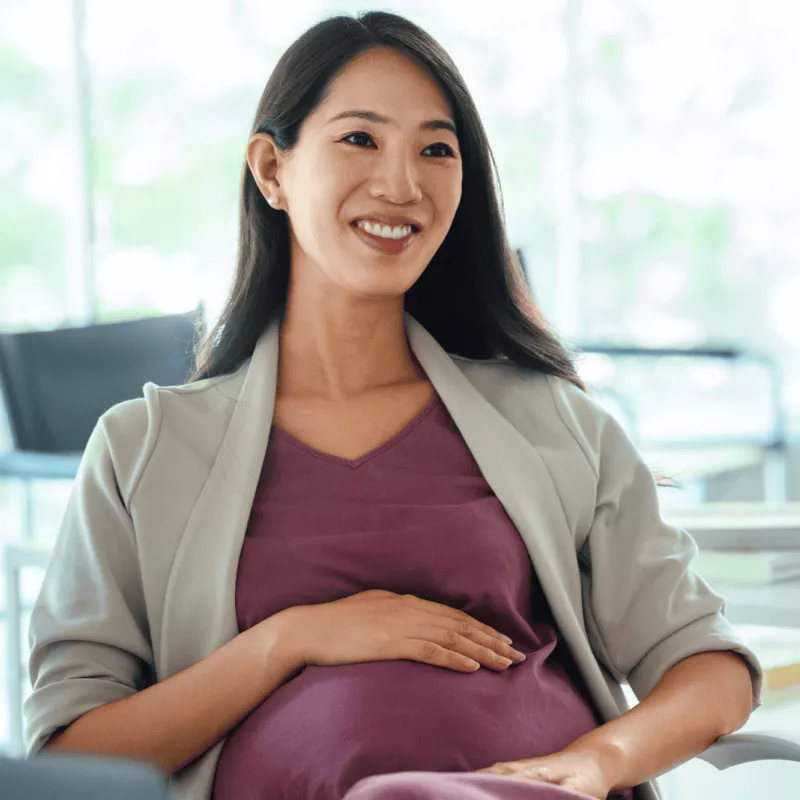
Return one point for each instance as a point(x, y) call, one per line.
point(385, 244)
point(384, 229)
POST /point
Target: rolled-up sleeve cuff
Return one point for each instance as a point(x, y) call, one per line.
point(707, 634)
point(58, 705)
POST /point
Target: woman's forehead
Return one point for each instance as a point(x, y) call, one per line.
point(388, 83)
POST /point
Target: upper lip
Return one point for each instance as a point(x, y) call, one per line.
point(390, 219)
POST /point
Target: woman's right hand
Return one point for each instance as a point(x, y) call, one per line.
point(379, 625)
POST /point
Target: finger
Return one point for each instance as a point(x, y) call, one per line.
point(500, 769)
point(539, 773)
point(429, 652)
point(452, 640)
point(484, 640)
point(459, 616)
point(469, 631)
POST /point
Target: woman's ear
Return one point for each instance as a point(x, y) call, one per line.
point(265, 159)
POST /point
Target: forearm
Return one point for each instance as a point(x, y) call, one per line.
point(176, 720)
point(700, 699)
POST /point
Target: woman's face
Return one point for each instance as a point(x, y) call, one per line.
point(378, 153)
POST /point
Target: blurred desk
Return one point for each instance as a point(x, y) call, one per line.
point(740, 526)
point(777, 605)
point(755, 527)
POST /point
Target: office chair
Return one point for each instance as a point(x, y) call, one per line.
point(57, 383)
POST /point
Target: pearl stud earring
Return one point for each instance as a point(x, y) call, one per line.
point(272, 201)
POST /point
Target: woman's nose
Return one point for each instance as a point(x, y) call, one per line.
point(396, 180)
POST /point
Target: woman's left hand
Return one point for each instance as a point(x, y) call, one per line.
point(575, 770)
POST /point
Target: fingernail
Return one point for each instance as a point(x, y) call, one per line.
point(506, 639)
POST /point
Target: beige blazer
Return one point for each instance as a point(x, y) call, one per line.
point(143, 573)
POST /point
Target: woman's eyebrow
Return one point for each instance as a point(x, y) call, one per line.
point(373, 116)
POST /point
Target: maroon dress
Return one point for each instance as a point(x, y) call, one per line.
point(414, 516)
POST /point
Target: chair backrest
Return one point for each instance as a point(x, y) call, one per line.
point(57, 383)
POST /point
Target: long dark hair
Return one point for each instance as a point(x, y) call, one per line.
point(472, 297)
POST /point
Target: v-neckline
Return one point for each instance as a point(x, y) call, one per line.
point(355, 463)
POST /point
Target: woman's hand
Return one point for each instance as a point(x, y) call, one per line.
point(569, 769)
point(379, 625)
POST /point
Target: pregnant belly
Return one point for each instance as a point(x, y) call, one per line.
point(330, 726)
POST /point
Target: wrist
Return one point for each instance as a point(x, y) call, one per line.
point(277, 642)
point(609, 756)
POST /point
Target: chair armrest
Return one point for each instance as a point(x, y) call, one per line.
point(739, 748)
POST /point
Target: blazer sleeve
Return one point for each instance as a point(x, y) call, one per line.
point(88, 634)
point(646, 609)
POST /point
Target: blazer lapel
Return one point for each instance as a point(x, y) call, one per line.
point(199, 607)
point(516, 473)
point(522, 483)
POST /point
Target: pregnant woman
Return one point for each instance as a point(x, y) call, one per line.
point(382, 545)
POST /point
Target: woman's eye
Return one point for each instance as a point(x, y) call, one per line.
point(448, 151)
point(359, 134)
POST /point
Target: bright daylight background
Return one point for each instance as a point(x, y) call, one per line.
point(649, 154)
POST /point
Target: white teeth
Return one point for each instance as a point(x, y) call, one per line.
point(385, 231)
